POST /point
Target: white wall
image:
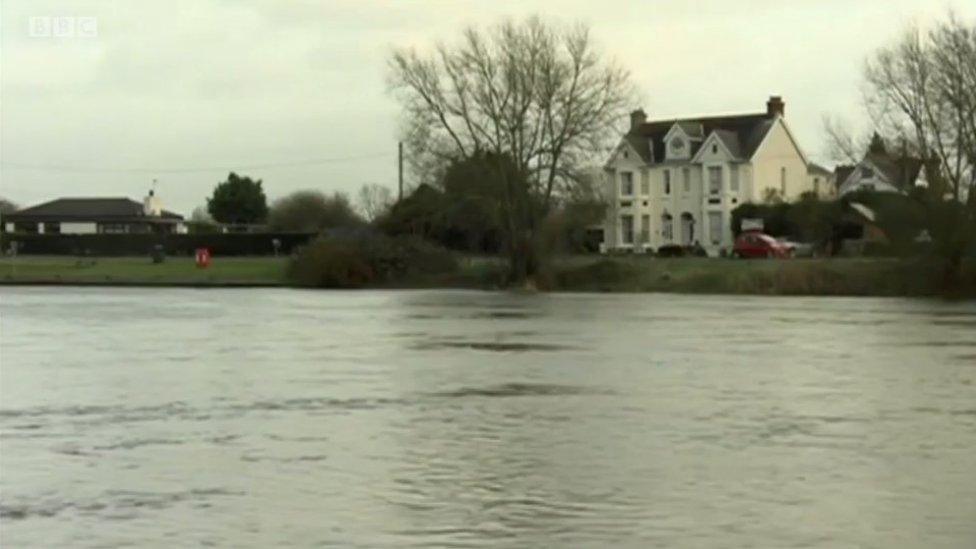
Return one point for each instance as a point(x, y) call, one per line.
point(78, 228)
point(778, 151)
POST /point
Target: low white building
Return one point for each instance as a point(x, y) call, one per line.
point(677, 181)
point(94, 215)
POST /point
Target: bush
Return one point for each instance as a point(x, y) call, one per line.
point(354, 260)
point(671, 250)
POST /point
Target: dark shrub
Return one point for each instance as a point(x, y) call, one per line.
point(671, 250)
point(330, 263)
point(360, 258)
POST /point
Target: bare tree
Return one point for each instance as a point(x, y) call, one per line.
point(843, 146)
point(923, 89)
point(374, 200)
point(534, 97)
point(7, 206)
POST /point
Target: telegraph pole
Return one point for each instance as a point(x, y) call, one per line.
point(400, 169)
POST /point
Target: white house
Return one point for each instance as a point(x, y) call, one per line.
point(677, 181)
point(94, 215)
point(879, 171)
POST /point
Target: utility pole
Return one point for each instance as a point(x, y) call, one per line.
point(400, 169)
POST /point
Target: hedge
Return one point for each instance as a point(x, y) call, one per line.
point(219, 244)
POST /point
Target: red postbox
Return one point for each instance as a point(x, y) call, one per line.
point(203, 258)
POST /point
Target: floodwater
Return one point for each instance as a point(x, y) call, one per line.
point(286, 418)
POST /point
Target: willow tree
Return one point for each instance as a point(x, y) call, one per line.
point(537, 98)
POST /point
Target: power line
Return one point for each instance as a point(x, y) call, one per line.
point(89, 169)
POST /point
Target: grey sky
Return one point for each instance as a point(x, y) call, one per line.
point(181, 85)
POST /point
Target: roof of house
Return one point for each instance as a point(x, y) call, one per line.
point(91, 209)
point(901, 172)
point(817, 169)
point(742, 134)
point(841, 173)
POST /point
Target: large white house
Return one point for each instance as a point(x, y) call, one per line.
point(677, 181)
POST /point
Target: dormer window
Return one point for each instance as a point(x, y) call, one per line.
point(677, 144)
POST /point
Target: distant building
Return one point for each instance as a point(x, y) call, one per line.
point(822, 182)
point(94, 215)
point(677, 181)
point(879, 171)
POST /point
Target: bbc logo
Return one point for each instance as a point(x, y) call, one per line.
point(63, 27)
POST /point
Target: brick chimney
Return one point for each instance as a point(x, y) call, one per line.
point(637, 118)
point(775, 106)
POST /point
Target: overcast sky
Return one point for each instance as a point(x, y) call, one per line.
point(184, 91)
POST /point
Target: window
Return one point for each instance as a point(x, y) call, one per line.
point(734, 178)
point(667, 182)
point(52, 227)
point(677, 143)
point(782, 181)
point(645, 229)
point(626, 183)
point(868, 187)
point(714, 148)
point(645, 183)
point(686, 176)
point(816, 185)
point(627, 229)
point(715, 179)
point(667, 227)
point(867, 172)
point(112, 228)
point(715, 227)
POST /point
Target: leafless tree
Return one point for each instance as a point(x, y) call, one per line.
point(923, 89)
point(842, 145)
point(7, 206)
point(539, 94)
point(537, 100)
point(374, 200)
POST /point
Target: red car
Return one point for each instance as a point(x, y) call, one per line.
point(755, 244)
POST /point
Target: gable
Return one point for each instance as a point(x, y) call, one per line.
point(777, 141)
point(717, 147)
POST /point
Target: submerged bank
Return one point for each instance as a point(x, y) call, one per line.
point(836, 276)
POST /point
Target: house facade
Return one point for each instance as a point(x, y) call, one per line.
point(880, 171)
point(94, 215)
point(677, 181)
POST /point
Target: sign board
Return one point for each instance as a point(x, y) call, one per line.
point(754, 224)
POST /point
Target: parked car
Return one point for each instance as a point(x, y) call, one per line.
point(756, 244)
point(800, 249)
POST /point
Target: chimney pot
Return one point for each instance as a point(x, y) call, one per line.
point(637, 118)
point(775, 106)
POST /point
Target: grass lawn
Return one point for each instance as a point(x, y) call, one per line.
point(141, 270)
point(827, 276)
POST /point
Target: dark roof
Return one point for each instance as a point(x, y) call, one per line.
point(815, 168)
point(90, 209)
point(841, 173)
point(900, 172)
point(741, 133)
point(731, 142)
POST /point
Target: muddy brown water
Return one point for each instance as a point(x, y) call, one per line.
point(285, 418)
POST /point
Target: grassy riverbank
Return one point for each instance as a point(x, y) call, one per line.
point(847, 276)
point(175, 271)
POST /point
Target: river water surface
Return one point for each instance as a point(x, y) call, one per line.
point(285, 418)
